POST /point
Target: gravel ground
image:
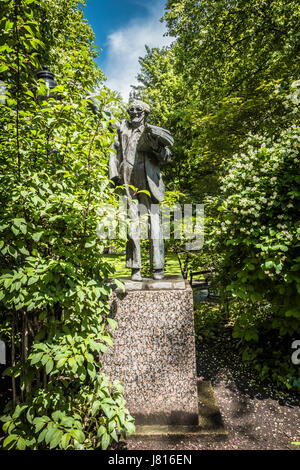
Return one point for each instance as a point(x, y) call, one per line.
point(256, 415)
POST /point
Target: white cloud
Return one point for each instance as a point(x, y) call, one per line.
point(126, 45)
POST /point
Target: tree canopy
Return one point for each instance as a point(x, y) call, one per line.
point(225, 75)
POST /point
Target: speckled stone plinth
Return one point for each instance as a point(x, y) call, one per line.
point(154, 352)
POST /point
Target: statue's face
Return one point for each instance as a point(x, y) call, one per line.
point(137, 114)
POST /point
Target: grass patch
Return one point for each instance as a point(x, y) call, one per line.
point(118, 261)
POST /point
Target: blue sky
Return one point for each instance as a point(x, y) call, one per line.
point(122, 28)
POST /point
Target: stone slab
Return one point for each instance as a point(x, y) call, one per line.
point(154, 352)
point(168, 283)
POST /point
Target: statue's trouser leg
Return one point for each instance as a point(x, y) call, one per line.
point(157, 257)
point(133, 250)
point(142, 216)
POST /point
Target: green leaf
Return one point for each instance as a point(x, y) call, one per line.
point(65, 440)
point(81, 371)
point(49, 366)
point(30, 415)
point(78, 435)
point(105, 441)
point(293, 312)
point(90, 244)
point(112, 323)
point(73, 364)
point(37, 236)
point(3, 68)
point(21, 444)
point(269, 264)
point(108, 340)
point(113, 434)
point(120, 284)
point(107, 411)
point(15, 230)
point(6, 425)
point(67, 421)
point(32, 280)
point(42, 435)
point(19, 410)
point(51, 429)
point(24, 251)
point(23, 229)
point(56, 438)
point(91, 370)
point(57, 415)
point(95, 407)
point(101, 430)
point(10, 440)
point(36, 358)
point(130, 427)
point(45, 359)
point(61, 362)
point(144, 191)
point(39, 423)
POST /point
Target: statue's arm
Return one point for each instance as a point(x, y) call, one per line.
point(161, 151)
point(159, 141)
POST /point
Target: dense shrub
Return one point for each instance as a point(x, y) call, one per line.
point(259, 238)
point(54, 284)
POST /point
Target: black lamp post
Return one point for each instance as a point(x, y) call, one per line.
point(48, 78)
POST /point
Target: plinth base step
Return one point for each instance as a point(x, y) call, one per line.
point(182, 432)
point(210, 423)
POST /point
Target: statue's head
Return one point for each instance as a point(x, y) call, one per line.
point(138, 112)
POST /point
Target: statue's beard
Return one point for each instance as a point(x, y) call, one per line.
point(137, 121)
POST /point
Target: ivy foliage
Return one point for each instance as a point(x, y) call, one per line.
point(54, 287)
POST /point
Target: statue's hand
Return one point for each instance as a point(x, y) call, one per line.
point(167, 155)
point(164, 155)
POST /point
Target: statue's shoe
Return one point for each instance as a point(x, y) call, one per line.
point(158, 274)
point(136, 275)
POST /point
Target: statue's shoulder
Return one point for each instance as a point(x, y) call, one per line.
point(124, 125)
point(163, 135)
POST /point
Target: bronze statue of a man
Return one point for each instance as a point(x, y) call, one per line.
point(139, 149)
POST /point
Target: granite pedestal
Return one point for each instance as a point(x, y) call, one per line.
point(154, 351)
